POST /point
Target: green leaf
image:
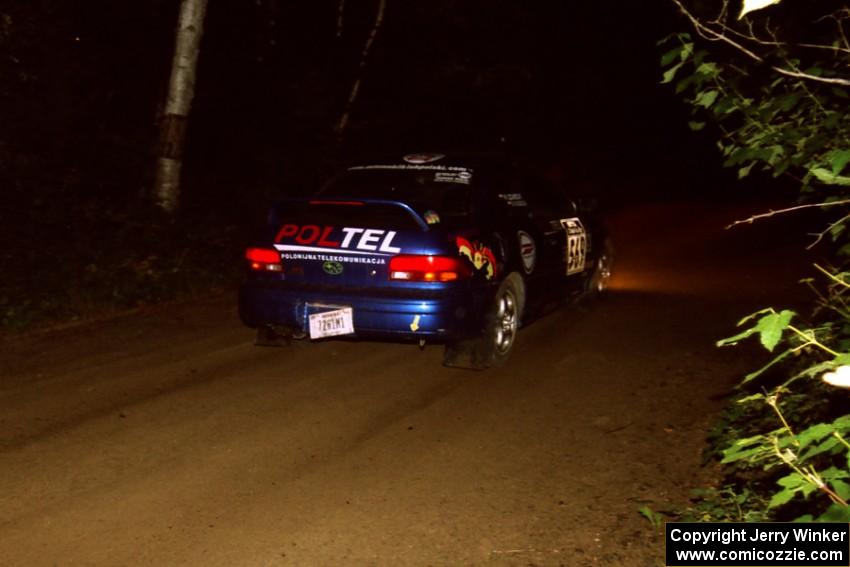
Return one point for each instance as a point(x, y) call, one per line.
point(683, 84)
point(789, 101)
point(654, 517)
point(771, 326)
point(747, 441)
point(706, 98)
point(814, 433)
point(777, 152)
point(841, 488)
point(826, 176)
point(695, 126)
point(842, 423)
point(670, 56)
point(745, 171)
point(838, 159)
point(835, 513)
point(817, 369)
point(753, 375)
point(750, 449)
point(792, 481)
point(833, 473)
point(749, 332)
point(828, 445)
point(670, 73)
point(733, 340)
point(751, 455)
point(708, 69)
point(780, 498)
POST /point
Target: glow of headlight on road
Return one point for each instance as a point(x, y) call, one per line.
point(684, 281)
point(640, 281)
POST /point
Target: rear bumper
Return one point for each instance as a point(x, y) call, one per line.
point(453, 315)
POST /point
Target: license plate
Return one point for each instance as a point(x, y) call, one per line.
point(331, 323)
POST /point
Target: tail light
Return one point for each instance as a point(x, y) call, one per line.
point(428, 268)
point(264, 259)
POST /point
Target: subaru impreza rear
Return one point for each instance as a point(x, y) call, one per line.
point(373, 254)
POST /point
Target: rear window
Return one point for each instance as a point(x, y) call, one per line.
point(389, 217)
point(444, 191)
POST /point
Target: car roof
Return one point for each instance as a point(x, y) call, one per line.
point(435, 160)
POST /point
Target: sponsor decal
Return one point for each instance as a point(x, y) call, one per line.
point(414, 325)
point(431, 217)
point(332, 267)
point(527, 251)
point(463, 171)
point(327, 239)
point(314, 256)
point(423, 158)
point(480, 256)
point(442, 173)
point(513, 199)
point(462, 177)
point(576, 244)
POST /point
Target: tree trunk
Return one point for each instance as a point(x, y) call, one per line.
point(340, 14)
point(181, 90)
point(364, 56)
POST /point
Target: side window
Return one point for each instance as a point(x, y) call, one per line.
point(504, 192)
point(544, 200)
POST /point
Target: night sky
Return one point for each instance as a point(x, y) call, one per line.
point(572, 85)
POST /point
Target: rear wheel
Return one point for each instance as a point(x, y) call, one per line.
point(598, 282)
point(501, 324)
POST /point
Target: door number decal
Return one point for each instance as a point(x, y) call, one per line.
point(576, 244)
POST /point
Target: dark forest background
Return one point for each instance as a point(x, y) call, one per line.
point(573, 86)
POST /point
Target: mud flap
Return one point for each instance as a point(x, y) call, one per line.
point(275, 336)
point(464, 354)
point(481, 352)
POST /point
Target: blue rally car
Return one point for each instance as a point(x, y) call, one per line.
point(428, 247)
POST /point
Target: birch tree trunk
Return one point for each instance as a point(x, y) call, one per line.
point(181, 90)
point(340, 14)
point(364, 57)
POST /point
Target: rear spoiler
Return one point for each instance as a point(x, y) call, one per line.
point(348, 201)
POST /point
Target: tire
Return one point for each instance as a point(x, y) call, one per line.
point(598, 282)
point(501, 323)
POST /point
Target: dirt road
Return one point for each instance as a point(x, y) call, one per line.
point(166, 438)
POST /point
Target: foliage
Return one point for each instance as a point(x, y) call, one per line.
point(727, 504)
point(808, 441)
point(82, 258)
point(789, 122)
point(653, 517)
point(775, 92)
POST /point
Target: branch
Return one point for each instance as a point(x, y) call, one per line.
point(713, 35)
point(832, 276)
point(808, 77)
point(819, 236)
point(364, 57)
point(771, 212)
point(776, 43)
point(839, 23)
